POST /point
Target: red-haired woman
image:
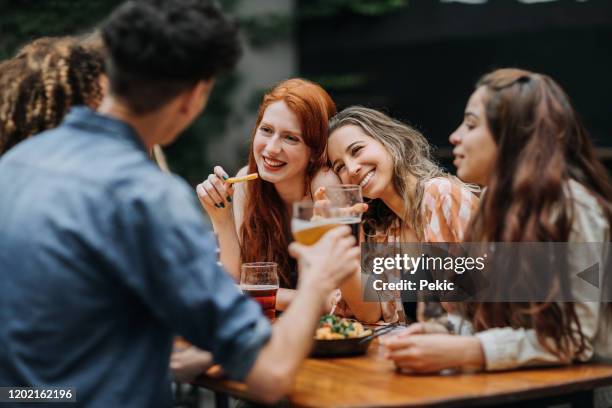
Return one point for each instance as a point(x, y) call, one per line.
point(523, 140)
point(288, 152)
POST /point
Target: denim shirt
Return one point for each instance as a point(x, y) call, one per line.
point(103, 258)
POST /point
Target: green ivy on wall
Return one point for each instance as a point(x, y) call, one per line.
point(328, 8)
point(22, 21)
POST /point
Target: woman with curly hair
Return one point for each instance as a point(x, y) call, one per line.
point(44, 80)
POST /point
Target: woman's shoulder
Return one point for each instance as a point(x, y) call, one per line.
point(582, 196)
point(240, 197)
point(243, 171)
point(448, 185)
point(590, 222)
point(447, 208)
point(440, 190)
point(240, 188)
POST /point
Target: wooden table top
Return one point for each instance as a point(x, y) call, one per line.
point(371, 381)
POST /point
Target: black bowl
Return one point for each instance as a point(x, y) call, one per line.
point(341, 347)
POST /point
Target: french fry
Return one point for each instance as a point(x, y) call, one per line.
point(248, 177)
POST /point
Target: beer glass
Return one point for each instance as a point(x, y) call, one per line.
point(347, 198)
point(313, 219)
point(259, 280)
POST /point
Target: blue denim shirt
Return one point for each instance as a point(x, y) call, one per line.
point(103, 258)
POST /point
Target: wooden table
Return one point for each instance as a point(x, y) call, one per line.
point(371, 381)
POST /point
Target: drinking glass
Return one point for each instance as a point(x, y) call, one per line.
point(313, 219)
point(259, 280)
point(348, 199)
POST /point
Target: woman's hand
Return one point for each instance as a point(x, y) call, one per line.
point(332, 300)
point(430, 327)
point(186, 364)
point(216, 195)
point(430, 353)
point(322, 202)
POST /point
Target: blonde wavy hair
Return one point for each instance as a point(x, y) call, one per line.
point(411, 155)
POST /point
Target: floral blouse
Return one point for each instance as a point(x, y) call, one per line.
point(447, 208)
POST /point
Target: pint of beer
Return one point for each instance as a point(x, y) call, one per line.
point(259, 280)
point(310, 221)
point(309, 232)
point(265, 295)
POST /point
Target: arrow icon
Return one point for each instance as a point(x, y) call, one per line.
point(591, 275)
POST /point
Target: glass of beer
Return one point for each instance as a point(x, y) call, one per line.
point(313, 219)
point(259, 280)
point(347, 198)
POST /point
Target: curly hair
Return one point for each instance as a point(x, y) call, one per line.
point(158, 48)
point(43, 81)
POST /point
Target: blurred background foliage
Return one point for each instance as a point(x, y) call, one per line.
point(331, 8)
point(414, 59)
point(22, 21)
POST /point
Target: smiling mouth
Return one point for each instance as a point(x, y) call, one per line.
point(273, 163)
point(364, 182)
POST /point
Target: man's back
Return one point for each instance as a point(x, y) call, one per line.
point(101, 253)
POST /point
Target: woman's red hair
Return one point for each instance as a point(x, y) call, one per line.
point(266, 232)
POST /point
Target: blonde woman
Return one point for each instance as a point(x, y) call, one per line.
point(411, 198)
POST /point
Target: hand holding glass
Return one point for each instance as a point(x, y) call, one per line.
point(349, 201)
point(313, 219)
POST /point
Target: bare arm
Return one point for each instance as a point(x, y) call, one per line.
point(229, 238)
point(224, 219)
point(429, 353)
point(369, 312)
point(284, 297)
point(322, 267)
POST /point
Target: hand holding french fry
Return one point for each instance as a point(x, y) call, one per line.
point(215, 193)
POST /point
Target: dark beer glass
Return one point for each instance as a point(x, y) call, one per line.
point(259, 280)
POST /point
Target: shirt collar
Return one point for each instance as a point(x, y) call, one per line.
point(85, 118)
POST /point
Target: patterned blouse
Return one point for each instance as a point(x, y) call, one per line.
point(447, 208)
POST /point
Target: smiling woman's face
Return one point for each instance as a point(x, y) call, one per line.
point(278, 146)
point(357, 158)
point(475, 150)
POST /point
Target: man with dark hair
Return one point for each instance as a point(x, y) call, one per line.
point(103, 257)
point(154, 56)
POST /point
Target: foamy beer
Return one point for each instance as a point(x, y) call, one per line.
point(311, 220)
point(309, 232)
point(259, 280)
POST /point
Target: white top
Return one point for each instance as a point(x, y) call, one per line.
point(507, 348)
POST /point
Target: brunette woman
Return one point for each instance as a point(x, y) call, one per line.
point(523, 140)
